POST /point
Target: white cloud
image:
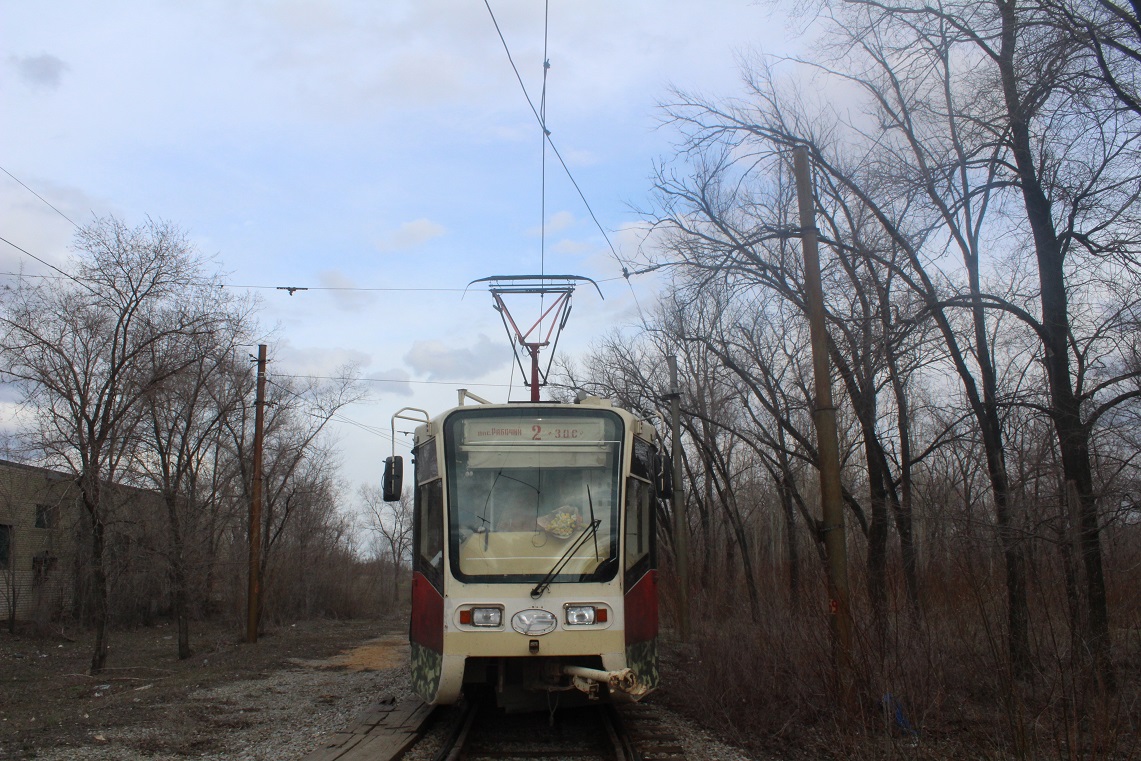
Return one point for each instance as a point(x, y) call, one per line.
point(335, 279)
point(295, 137)
point(315, 361)
point(579, 157)
point(341, 294)
point(572, 247)
point(36, 227)
point(557, 222)
point(411, 235)
point(392, 382)
point(440, 362)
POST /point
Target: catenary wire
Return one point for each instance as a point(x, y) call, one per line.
point(333, 416)
point(65, 276)
point(626, 273)
point(547, 134)
point(291, 289)
point(72, 278)
point(393, 380)
point(37, 195)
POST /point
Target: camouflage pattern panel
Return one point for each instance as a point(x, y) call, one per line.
point(426, 637)
point(642, 659)
point(641, 616)
point(427, 668)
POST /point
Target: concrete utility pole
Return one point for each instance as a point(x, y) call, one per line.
point(254, 596)
point(680, 527)
point(824, 416)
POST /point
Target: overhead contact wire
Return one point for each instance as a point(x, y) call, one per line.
point(72, 278)
point(547, 136)
point(543, 163)
point(37, 195)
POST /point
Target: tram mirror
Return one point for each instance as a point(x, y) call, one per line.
point(393, 484)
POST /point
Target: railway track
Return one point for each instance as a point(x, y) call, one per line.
point(584, 734)
point(481, 732)
point(596, 733)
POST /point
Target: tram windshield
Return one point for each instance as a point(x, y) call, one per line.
point(525, 485)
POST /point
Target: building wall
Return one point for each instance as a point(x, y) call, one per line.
point(39, 509)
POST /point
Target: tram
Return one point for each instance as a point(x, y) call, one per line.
point(534, 551)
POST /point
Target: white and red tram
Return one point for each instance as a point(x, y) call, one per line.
point(534, 552)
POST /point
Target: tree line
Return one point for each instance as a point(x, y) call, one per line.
point(134, 375)
point(978, 201)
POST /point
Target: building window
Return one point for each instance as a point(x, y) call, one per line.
point(47, 516)
point(5, 546)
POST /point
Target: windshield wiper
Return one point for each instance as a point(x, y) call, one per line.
point(590, 530)
point(590, 502)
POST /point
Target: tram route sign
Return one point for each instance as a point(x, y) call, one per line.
point(513, 430)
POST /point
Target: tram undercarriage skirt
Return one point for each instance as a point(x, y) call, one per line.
point(588, 679)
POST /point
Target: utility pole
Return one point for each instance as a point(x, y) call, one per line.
point(254, 596)
point(824, 417)
point(680, 527)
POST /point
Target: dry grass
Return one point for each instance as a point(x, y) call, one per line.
point(934, 688)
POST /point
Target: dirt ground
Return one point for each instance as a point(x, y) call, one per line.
point(47, 700)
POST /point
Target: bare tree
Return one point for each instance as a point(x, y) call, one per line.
point(87, 351)
point(1110, 32)
point(184, 418)
point(984, 123)
point(392, 522)
point(298, 462)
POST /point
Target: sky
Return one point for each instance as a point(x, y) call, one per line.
point(349, 147)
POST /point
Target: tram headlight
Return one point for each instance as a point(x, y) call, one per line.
point(585, 615)
point(488, 618)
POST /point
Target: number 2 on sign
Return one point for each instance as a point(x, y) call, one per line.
point(537, 430)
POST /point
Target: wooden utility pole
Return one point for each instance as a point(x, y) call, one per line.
point(254, 596)
point(824, 417)
point(681, 526)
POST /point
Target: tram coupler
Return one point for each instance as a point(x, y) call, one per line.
point(588, 680)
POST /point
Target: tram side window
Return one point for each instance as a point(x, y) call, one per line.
point(642, 463)
point(429, 527)
point(427, 468)
point(639, 526)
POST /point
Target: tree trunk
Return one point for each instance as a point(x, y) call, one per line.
point(1073, 435)
point(178, 577)
point(877, 540)
point(182, 615)
point(791, 545)
point(747, 566)
point(907, 551)
point(901, 507)
point(181, 595)
point(99, 589)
